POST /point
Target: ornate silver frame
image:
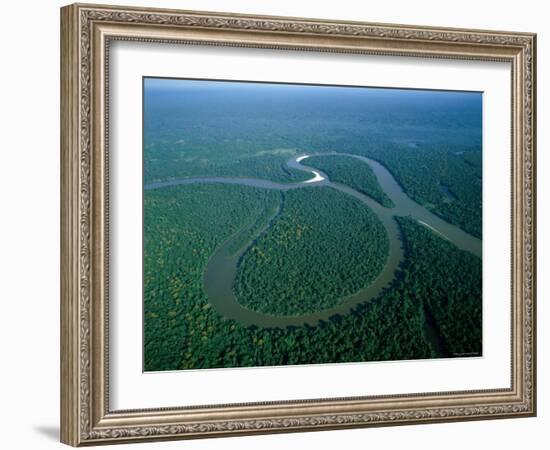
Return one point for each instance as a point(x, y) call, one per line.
point(86, 31)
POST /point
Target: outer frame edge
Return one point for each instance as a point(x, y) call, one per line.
point(69, 309)
point(70, 226)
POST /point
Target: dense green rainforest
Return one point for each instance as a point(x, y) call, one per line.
point(348, 171)
point(430, 141)
point(446, 182)
point(182, 330)
point(326, 243)
point(306, 249)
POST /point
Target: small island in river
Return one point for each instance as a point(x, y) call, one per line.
point(298, 224)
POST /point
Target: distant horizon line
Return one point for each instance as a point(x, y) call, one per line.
point(229, 82)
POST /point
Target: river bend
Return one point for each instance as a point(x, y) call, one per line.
point(222, 266)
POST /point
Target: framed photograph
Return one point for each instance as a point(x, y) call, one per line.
point(276, 224)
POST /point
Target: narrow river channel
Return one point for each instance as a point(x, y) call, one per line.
point(221, 269)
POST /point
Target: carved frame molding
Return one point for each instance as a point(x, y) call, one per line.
point(86, 31)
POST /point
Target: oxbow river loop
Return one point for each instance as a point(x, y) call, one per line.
point(221, 269)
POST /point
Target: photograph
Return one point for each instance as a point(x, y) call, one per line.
point(297, 224)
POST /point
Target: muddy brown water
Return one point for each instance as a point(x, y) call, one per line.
point(222, 266)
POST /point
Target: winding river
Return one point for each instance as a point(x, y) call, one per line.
point(222, 267)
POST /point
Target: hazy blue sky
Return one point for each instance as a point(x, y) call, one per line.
point(166, 84)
